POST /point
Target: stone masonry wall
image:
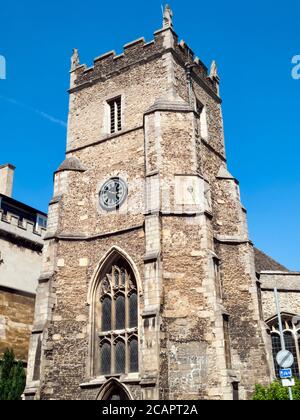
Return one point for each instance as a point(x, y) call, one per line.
point(16, 319)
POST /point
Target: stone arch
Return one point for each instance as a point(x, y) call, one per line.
point(114, 390)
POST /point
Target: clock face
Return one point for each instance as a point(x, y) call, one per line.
point(113, 194)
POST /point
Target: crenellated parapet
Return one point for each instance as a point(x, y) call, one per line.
point(18, 230)
point(139, 52)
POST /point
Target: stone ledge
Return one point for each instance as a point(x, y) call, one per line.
point(106, 138)
point(96, 383)
point(232, 240)
point(65, 236)
point(151, 257)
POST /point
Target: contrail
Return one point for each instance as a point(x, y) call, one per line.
point(36, 111)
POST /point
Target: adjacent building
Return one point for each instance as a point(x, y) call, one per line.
point(22, 229)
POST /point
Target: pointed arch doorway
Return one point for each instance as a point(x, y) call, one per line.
point(113, 390)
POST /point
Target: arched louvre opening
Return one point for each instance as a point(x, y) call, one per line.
point(117, 320)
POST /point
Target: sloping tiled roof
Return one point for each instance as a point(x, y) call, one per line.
point(265, 263)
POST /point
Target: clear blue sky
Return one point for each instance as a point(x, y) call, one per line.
point(253, 43)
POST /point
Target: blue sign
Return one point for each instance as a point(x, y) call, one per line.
point(285, 373)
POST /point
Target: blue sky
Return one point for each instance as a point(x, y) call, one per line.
point(253, 43)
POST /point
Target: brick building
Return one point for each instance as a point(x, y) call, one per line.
point(149, 288)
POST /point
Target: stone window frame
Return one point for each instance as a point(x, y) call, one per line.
point(227, 341)
point(107, 129)
point(110, 288)
point(291, 325)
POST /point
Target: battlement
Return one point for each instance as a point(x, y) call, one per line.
point(11, 225)
point(139, 52)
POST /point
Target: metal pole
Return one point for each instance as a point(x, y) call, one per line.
point(277, 300)
point(279, 318)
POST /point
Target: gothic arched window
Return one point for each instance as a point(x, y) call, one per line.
point(292, 342)
point(117, 322)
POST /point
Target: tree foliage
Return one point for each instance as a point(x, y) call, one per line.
point(12, 377)
point(276, 392)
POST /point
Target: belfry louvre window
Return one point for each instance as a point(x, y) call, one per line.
point(117, 340)
point(115, 106)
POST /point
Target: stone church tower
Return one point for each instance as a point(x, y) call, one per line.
point(148, 288)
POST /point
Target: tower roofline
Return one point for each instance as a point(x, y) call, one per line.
point(139, 52)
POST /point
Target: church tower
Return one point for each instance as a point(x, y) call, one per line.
point(148, 289)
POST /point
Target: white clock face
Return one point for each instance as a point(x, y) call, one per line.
point(112, 194)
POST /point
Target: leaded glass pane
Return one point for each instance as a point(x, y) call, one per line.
point(276, 347)
point(120, 313)
point(134, 355)
point(106, 359)
point(106, 314)
point(133, 311)
point(120, 357)
point(290, 344)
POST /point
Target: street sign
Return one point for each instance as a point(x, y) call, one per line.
point(285, 359)
point(286, 373)
point(288, 383)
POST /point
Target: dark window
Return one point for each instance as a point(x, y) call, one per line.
point(227, 341)
point(290, 344)
point(134, 355)
point(120, 357)
point(106, 314)
point(276, 347)
point(133, 316)
point(235, 391)
point(120, 312)
point(105, 359)
point(115, 106)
